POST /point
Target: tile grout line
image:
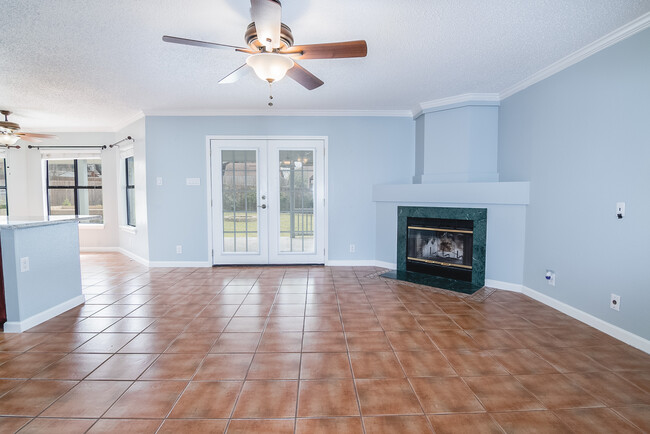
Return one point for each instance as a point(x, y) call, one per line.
point(298, 385)
point(408, 381)
point(347, 348)
point(243, 383)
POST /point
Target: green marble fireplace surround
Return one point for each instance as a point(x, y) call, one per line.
point(477, 215)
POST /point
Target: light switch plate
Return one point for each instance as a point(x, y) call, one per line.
point(159, 180)
point(192, 181)
point(24, 264)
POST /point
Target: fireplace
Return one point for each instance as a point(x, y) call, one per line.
point(440, 247)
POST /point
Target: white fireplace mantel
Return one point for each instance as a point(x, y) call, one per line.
point(497, 193)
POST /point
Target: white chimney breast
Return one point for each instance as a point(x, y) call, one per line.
point(457, 144)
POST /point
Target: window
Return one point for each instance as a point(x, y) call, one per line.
point(4, 207)
point(130, 191)
point(75, 187)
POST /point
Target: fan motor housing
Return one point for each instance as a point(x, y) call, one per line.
point(286, 38)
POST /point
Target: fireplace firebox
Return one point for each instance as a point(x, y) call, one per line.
point(440, 247)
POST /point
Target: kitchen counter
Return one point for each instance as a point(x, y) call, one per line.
point(40, 268)
point(24, 222)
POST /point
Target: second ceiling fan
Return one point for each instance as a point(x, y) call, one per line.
point(271, 49)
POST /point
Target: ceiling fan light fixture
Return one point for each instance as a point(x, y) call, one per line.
point(270, 67)
point(8, 139)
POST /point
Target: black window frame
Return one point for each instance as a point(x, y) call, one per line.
point(4, 187)
point(74, 187)
point(129, 186)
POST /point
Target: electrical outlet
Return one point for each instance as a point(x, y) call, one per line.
point(24, 264)
point(620, 210)
point(615, 301)
point(353, 248)
point(179, 249)
point(550, 277)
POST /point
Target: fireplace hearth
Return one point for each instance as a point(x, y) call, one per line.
point(441, 247)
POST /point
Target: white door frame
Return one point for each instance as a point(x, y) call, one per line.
point(208, 183)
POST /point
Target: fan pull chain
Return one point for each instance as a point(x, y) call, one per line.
point(270, 95)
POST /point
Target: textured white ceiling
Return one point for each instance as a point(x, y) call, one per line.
point(93, 64)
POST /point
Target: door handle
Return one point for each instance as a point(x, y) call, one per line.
point(263, 206)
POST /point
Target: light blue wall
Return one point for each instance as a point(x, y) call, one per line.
point(582, 139)
point(363, 151)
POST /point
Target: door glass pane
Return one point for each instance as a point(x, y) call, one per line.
point(239, 193)
point(296, 201)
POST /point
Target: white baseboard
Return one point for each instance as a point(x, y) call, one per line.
point(597, 323)
point(389, 265)
point(179, 264)
point(98, 249)
point(151, 264)
point(34, 320)
point(350, 263)
point(121, 250)
point(507, 286)
point(136, 258)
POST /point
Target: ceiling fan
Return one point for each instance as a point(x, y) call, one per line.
point(271, 49)
point(9, 134)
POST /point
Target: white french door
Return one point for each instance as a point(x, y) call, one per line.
point(268, 201)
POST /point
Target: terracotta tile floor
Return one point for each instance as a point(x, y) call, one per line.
point(310, 350)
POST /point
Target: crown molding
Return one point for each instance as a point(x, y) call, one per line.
point(105, 129)
point(624, 32)
point(128, 121)
point(455, 102)
point(273, 112)
point(46, 130)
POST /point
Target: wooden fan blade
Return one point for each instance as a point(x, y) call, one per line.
point(30, 139)
point(304, 77)
point(267, 15)
point(236, 74)
point(35, 135)
point(247, 51)
point(184, 41)
point(334, 50)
